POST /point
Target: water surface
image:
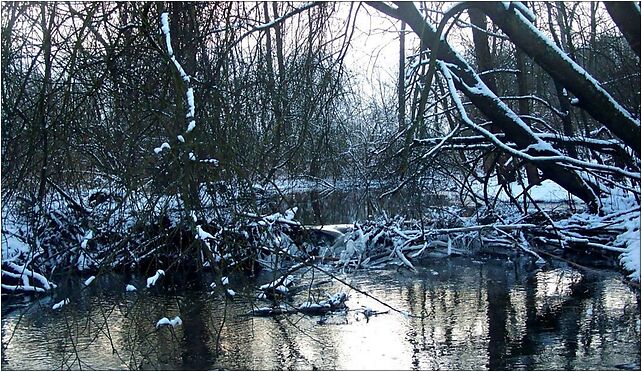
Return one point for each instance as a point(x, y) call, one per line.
point(465, 314)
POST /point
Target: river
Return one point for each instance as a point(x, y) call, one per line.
point(465, 314)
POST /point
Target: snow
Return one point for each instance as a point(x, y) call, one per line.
point(28, 288)
point(481, 89)
point(577, 68)
point(180, 138)
point(25, 274)
point(89, 280)
point(60, 304)
point(151, 281)
point(333, 301)
point(631, 240)
point(289, 214)
point(231, 292)
point(282, 289)
point(84, 262)
point(525, 10)
point(165, 30)
point(88, 236)
point(540, 147)
point(191, 126)
point(13, 244)
point(287, 281)
point(225, 280)
point(210, 161)
point(202, 234)
point(130, 288)
point(162, 147)
point(190, 102)
point(547, 192)
point(192, 157)
point(163, 322)
point(175, 322)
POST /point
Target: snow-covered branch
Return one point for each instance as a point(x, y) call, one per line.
point(539, 146)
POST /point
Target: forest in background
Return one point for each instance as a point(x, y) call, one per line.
point(136, 131)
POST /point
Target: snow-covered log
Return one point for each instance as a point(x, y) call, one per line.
point(334, 303)
point(592, 97)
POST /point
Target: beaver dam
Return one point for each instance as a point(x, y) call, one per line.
point(372, 295)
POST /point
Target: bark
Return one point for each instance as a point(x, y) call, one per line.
point(43, 101)
point(592, 97)
point(401, 92)
point(522, 89)
point(494, 159)
point(274, 86)
point(482, 50)
point(562, 96)
point(626, 16)
point(489, 104)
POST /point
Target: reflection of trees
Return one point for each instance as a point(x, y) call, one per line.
point(566, 336)
point(498, 307)
point(518, 326)
point(449, 335)
point(196, 335)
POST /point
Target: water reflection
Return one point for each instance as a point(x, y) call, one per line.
point(466, 315)
point(337, 206)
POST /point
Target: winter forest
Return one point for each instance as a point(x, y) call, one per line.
point(323, 185)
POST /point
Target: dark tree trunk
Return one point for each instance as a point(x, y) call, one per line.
point(592, 97)
point(626, 16)
point(401, 92)
point(482, 50)
point(43, 101)
point(494, 159)
point(522, 88)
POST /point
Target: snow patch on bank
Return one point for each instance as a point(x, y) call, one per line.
point(625, 204)
point(547, 192)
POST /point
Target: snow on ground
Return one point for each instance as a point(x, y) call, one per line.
point(60, 304)
point(12, 239)
point(547, 192)
point(621, 212)
point(298, 185)
point(89, 280)
point(175, 322)
point(625, 204)
point(130, 288)
point(151, 281)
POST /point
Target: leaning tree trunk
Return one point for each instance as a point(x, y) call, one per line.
point(626, 16)
point(492, 107)
point(592, 97)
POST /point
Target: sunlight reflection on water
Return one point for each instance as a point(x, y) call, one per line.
point(465, 316)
